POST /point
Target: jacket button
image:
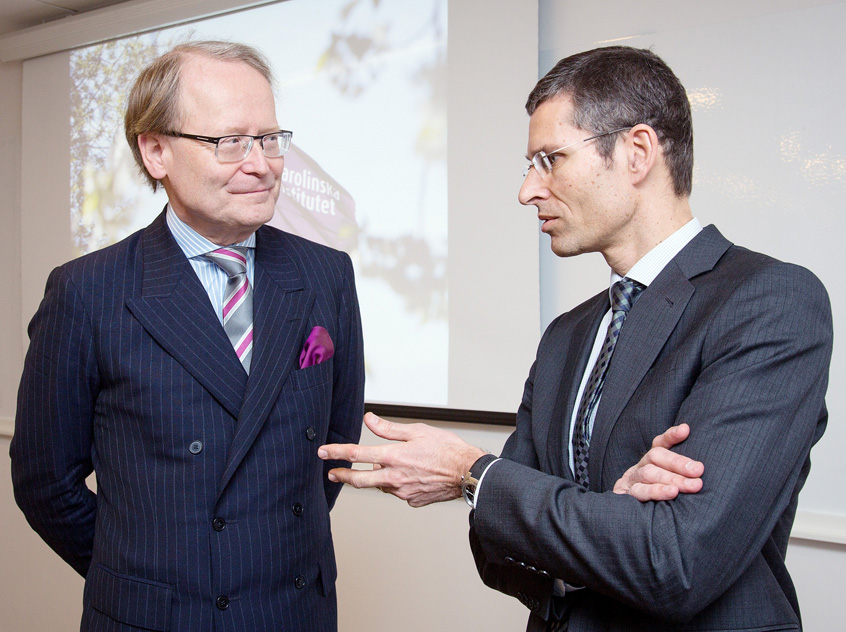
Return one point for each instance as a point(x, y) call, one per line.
point(311, 433)
point(222, 602)
point(300, 582)
point(218, 524)
point(196, 447)
point(297, 509)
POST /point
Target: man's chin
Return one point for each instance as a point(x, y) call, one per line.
point(560, 248)
point(260, 212)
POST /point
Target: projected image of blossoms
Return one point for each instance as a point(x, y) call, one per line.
point(362, 84)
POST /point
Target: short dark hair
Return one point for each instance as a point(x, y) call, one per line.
point(620, 86)
point(154, 99)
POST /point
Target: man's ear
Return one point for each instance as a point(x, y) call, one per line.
point(643, 152)
point(154, 150)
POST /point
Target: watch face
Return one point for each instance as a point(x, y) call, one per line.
point(468, 489)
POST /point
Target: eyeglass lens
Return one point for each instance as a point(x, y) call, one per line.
point(235, 148)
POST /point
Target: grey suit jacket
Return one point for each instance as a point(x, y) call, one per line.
point(730, 341)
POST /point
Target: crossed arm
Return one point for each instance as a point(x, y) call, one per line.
point(424, 465)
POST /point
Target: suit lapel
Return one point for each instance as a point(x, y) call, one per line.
point(573, 357)
point(281, 309)
point(648, 326)
point(175, 310)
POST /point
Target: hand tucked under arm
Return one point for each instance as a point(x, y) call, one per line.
point(662, 474)
point(424, 466)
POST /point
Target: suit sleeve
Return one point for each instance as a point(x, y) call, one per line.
point(51, 450)
point(531, 586)
point(348, 381)
point(755, 409)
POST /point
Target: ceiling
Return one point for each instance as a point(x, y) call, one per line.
point(20, 14)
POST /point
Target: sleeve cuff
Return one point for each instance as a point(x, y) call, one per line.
point(481, 480)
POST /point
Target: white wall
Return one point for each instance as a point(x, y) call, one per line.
point(764, 81)
point(11, 334)
point(770, 172)
point(400, 568)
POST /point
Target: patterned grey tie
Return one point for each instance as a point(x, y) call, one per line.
point(237, 302)
point(623, 295)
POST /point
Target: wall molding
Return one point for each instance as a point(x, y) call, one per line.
point(120, 20)
point(819, 527)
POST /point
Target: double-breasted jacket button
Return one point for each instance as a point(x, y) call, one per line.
point(299, 582)
point(297, 509)
point(311, 433)
point(196, 447)
point(218, 524)
point(222, 602)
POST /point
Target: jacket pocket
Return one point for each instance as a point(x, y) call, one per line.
point(130, 600)
point(316, 375)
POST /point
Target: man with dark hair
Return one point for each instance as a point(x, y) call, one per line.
point(195, 367)
point(692, 329)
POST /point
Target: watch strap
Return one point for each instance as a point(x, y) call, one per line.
point(478, 468)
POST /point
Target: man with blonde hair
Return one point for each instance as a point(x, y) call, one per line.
point(195, 367)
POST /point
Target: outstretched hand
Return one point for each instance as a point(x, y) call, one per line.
point(424, 466)
point(662, 474)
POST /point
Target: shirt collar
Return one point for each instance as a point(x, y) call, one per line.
point(193, 244)
point(650, 265)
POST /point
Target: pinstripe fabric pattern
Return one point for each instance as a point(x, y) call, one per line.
point(732, 342)
point(130, 373)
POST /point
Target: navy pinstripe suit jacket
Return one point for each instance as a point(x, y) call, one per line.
point(212, 506)
point(730, 341)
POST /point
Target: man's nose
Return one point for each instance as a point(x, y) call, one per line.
point(256, 161)
point(533, 188)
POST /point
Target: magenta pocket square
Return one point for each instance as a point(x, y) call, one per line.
point(318, 348)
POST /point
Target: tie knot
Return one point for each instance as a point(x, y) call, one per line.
point(232, 259)
point(624, 293)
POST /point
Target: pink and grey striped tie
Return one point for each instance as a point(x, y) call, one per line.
point(237, 302)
